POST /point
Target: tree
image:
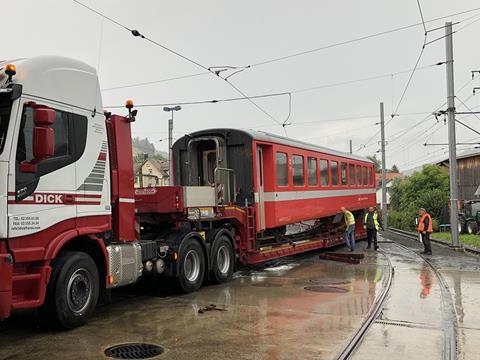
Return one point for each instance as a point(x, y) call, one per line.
point(395, 169)
point(376, 161)
point(429, 189)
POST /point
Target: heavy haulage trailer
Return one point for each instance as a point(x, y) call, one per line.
point(72, 226)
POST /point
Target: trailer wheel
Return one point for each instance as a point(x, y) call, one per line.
point(72, 292)
point(191, 266)
point(223, 260)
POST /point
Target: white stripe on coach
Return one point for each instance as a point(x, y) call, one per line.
point(126, 200)
point(313, 194)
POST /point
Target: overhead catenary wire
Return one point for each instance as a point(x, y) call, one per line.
point(425, 43)
point(401, 133)
point(369, 78)
point(341, 43)
point(470, 23)
point(156, 81)
point(421, 16)
point(199, 102)
point(138, 34)
point(210, 69)
point(294, 91)
point(457, 120)
point(425, 34)
point(468, 108)
point(405, 145)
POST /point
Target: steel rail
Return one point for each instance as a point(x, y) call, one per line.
point(414, 236)
point(450, 317)
point(355, 340)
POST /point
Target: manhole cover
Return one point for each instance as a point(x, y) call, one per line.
point(325, 289)
point(329, 281)
point(133, 351)
point(268, 285)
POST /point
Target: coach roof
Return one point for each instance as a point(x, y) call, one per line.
point(277, 139)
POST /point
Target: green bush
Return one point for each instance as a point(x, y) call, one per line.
point(402, 219)
point(427, 189)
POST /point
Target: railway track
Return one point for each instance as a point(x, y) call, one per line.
point(449, 321)
point(414, 236)
point(356, 339)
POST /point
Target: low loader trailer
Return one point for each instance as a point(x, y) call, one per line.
point(72, 225)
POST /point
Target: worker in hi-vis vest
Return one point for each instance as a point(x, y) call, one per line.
point(349, 235)
point(425, 228)
point(372, 223)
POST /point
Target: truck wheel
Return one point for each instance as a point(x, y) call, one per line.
point(191, 266)
point(472, 227)
point(72, 292)
point(223, 260)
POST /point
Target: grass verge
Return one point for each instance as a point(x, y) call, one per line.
point(472, 240)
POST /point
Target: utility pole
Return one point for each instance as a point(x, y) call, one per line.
point(351, 146)
point(170, 141)
point(384, 167)
point(451, 136)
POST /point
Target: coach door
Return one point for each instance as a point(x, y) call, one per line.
point(260, 199)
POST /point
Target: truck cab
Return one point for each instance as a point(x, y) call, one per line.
point(54, 168)
point(71, 226)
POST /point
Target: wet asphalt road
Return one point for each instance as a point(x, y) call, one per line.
point(270, 315)
point(415, 318)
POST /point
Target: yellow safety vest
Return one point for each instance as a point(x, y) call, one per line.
point(349, 218)
point(375, 220)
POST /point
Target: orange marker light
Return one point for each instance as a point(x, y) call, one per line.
point(110, 279)
point(175, 256)
point(10, 69)
point(129, 104)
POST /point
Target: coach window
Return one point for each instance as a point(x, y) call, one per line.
point(351, 174)
point(312, 171)
point(370, 177)
point(359, 175)
point(324, 180)
point(297, 167)
point(282, 177)
point(365, 178)
point(334, 170)
point(343, 172)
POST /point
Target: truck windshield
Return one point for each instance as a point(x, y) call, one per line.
point(5, 108)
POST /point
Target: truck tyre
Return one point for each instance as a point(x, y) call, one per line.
point(472, 227)
point(191, 267)
point(72, 291)
point(222, 260)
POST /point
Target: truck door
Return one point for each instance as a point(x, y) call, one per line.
point(93, 175)
point(260, 199)
point(43, 201)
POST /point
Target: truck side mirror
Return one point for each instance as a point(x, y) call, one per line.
point(43, 139)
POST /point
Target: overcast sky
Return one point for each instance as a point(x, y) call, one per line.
point(240, 33)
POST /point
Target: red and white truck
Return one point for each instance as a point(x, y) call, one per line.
point(72, 226)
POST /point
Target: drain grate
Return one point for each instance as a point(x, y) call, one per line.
point(267, 285)
point(329, 281)
point(133, 351)
point(326, 289)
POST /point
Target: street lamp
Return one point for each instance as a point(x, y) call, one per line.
point(170, 134)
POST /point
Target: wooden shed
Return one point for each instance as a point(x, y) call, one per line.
point(468, 174)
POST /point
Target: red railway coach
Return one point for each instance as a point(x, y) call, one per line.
point(293, 186)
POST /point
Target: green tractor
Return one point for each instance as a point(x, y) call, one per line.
point(469, 218)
